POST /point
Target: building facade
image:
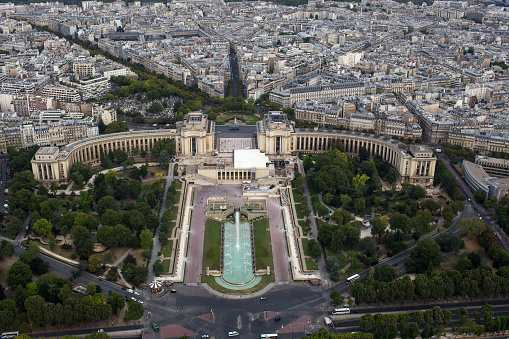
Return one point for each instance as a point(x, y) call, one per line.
point(195, 136)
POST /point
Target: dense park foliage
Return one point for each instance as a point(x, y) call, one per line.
point(353, 186)
point(433, 322)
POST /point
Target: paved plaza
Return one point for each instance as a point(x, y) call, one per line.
point(195, 258)
point(233, 194)
point(277, 239)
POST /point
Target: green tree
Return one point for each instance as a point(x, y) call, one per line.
point(359, 181)
point(85, 201)
point(388, 273)
point(19, 274)
point(116, 127)
point(146, 239)
point(427, 251)
point(359, 205)
point(479, 196)
point(164, 158)
point(366, 322)
point(116, 300)
point(325, 234)
point(392, 175)
point(82, 241)
point(449, 242)
point(336, 297)
point(322, 211)
point(401, 222)
point(427, 332)
point(422, 221)
point(20, 297)
point(6, 248)
point(134, 311)
point(105, 203)
point(42, 227)
point(120, 155)
point(94, 263)
point(34, 306)
point(86, 220)
point(379, 224)
point(473, 227)
point(314, 249)
point(14, 225)
point(164, 144)
point(352, 235)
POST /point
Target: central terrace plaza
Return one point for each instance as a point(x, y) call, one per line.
point(237, 223)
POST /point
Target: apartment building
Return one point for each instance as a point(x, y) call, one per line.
point(61, 93)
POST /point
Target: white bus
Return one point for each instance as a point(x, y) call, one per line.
point(337, 311)
point(352, 278)
point(268, 336)
point(8, 335)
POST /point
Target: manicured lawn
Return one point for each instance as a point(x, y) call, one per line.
point(263, 250)
point(212, 245)
point(167, 252)
point(173, 212)
point(297, 197)
point(266, 279)
point(311, 265)
point(315, 202)
point(249, 119)
point(166, 265)
point(305, 227)
point(342, 259)
point(177, 184)
point(300, 212)
point(305, 242)
point(171, 227)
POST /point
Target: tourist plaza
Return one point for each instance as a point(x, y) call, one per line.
point(236, 178)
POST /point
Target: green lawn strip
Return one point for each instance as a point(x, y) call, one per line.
point(304, 226)
point(173, 212)
point(305, 242)
point(299, 209)
point(315, 202)
point(311, 265)
point(249, 119)
point(177, 184)
point(266, 279)
point(212, 245)
point(342, 259)
point(263, 250)
point(171, 227)
point(168, 245)
point(297, 197)
point(166, 265)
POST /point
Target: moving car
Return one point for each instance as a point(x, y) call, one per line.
point(263, 298)
point(233, 334)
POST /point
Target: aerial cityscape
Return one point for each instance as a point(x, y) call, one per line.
point(255, 169)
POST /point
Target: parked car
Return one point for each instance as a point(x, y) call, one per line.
point(233, 334)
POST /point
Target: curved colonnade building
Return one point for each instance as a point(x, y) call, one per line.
point(275, 136)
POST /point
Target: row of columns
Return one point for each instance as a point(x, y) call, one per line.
point(352, 145)
point(46, 171)
point(92, 153)
point(234, 175)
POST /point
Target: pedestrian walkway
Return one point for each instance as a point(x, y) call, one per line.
point(156, 247)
